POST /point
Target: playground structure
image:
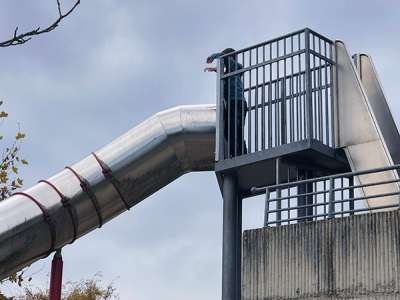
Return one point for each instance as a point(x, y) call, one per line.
point(321, 144)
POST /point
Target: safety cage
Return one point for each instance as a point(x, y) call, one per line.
point(287, 85)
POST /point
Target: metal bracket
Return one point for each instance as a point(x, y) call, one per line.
point(47, 218)
point(68, 206)
point(88, 191)
point(106, 170)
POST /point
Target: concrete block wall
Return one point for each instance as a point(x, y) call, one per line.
point(346, 258)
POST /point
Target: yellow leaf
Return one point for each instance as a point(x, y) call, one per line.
point(20, 135)
point(3, 177)
point(24, 161)
point(3, 114)
point(15, 169)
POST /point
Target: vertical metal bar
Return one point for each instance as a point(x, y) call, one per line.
point(331, 199)
point(314, 201)
point(304, 86)
point(291, 100)
point(277, 102)
point(305, 188)
point(220, 136)
point(297, 109)
point(283, 100)
point(243, 109)
point(270, 100)
point(266, 211)
point(301, 200)
point(310, 198)
point(256, 108)
point(228, 104)
point(341, 195)
point(263, 106)
point(278, 193)
point(308, 87)
point(324, 199)
point(314, 94)
point(351, 195)
point(283, 112)
point(296, 199)
point(249, 125)
point(321, 136)
point(327, 123)
point(289, 197)
point(235, 102)
point(270, 107)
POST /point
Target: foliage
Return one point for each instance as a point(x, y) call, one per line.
point(10, 181)
point(10, 163)
point(89, 289)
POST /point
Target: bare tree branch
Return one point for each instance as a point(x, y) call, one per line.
point(22, 38)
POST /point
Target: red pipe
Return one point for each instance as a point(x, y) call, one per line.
point(56, 276)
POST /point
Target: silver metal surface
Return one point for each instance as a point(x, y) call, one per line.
point(358, 130)
point(143, 160)
point(379, 104)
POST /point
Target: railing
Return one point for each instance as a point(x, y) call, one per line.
point(332, 196)
point(286, 84)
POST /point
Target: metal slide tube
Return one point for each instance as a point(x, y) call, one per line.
point(142, 161)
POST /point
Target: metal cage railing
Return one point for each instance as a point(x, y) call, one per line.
point(328, 197)
point(275, 93)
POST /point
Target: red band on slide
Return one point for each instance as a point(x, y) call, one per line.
point(46, 217)
point(89, 192)
point(66, 203)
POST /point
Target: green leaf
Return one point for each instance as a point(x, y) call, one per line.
point(24, 161)
point(15, 169)
point(3, 114)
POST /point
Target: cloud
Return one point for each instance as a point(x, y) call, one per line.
point(114, 63)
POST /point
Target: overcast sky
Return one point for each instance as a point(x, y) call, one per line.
point(111, 65)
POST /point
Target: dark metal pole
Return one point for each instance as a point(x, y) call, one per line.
point(231, 248)
point(238, 248)
point(278, 191)
point(351, 194)
point(305, 200)
point(331, 203)
point(308, 87)
point(56, 276)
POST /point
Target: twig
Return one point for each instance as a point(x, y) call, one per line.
point(22, 38)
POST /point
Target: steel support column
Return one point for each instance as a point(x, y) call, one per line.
point(232, 237)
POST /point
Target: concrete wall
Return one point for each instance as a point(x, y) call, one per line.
point(348, 258)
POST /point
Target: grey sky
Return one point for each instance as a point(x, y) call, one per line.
point(114, 63)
